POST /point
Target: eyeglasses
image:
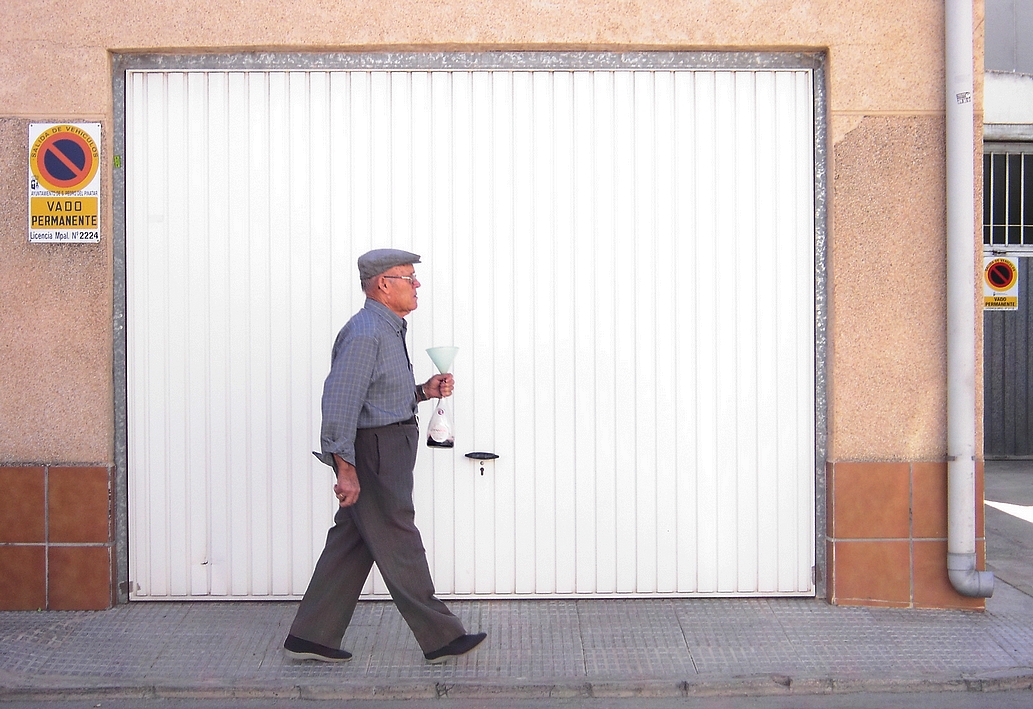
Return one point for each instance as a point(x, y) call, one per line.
point(411, 279)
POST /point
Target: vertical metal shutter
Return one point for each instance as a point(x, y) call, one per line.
point(1007, 356)
point(1007, 365)
point(624, 258)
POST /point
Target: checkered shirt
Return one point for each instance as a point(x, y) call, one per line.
point(370, 383)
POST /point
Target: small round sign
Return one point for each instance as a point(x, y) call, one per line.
point(64, 159)
point(1000, 274)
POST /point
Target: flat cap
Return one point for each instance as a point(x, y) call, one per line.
point(373, 263)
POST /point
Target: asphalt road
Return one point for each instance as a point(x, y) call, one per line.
point(1009, 534)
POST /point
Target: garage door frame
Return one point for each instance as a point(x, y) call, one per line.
point(258, 61)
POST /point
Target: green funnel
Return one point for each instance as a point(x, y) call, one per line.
point(442, 357)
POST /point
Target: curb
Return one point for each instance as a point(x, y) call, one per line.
point(766, 685)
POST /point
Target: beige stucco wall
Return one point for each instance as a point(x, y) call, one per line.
point(886, 366)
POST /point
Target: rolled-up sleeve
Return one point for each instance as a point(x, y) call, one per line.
point(344, 392)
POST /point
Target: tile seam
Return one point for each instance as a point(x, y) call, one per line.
point(46, 536)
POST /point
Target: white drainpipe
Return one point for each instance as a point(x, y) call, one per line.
point(961, 308)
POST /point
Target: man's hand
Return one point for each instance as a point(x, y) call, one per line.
point(439, 386)
point(347, 487)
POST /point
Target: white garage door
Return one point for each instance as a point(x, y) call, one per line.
point(624, 257)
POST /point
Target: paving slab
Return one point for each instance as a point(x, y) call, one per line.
point(576, 648)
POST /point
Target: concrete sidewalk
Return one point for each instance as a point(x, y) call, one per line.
point(535, 649)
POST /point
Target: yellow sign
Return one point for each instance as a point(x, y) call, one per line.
point(67, 213)
point(1001, 302)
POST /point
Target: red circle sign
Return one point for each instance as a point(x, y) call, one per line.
point(64, 159)
point(1000, 274)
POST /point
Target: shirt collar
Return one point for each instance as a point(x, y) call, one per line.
point(385, 312)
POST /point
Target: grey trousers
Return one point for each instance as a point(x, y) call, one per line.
point(379, 528)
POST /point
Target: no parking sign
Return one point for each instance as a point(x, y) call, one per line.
point(64, 182)
point(1000, 283)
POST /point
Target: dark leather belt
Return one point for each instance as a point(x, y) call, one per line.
point(408, 422)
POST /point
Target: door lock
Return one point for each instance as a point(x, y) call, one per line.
point(481, 456)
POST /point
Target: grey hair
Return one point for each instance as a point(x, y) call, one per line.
point(366, 284)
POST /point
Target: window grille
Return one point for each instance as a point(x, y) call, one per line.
point(1008, 196)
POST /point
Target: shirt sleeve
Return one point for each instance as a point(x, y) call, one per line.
point(344, 392)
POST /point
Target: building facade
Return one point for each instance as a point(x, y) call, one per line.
point(667, 239)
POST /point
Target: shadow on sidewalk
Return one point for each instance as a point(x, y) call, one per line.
point(1009, 534)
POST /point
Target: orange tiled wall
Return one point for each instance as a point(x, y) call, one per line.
point(887, 535)
point(56, 538)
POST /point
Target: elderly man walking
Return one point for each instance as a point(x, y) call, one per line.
point(370, 437)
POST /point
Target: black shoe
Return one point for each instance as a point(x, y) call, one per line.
point(304, 650)
point(460, 646)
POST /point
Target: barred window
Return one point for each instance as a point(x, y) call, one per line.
point(1008, 195)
